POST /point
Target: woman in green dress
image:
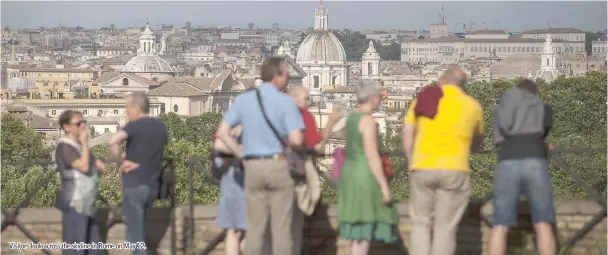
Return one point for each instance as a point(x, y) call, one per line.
point(365, 210)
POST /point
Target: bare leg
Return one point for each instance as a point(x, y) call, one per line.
point(497, 245)
point(359, 247)
point(232, 242)
point(242, 246)
point(545, 240)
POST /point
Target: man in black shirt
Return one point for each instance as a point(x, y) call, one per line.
point(146, 139)
point(521, 124)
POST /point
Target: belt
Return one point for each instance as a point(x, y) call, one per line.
point(275, 156)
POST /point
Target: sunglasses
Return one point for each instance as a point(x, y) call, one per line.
point(78, 124)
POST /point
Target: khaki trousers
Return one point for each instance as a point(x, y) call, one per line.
point(269, 189)
point(444, 196)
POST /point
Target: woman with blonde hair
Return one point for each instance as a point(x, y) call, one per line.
point(365, 211)
point(231, 215)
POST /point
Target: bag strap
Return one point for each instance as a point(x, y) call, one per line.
point(274, 130)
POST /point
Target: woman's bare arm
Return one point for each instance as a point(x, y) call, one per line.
point(367, 128)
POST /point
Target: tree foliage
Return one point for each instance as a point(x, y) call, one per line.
point(20, 143)
point(580, 121)
point(188, 137)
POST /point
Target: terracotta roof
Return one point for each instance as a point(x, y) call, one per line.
point(248, 83)
point(34, 121)
point(102, 139)
point(58, 70)
point(105, 76)
point(140, 79)
point(553, 31)
point(122, 59)
point(342, 89)
point(112, 49)
point(178, 89)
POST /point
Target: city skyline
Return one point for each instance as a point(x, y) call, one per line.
point(510, 16)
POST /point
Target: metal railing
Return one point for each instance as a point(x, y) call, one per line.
point(196, 164)
point(11, 215)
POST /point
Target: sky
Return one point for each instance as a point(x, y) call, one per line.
point(512, 16)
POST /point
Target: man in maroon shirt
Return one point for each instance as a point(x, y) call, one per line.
point(308, 193)
point(314, 140)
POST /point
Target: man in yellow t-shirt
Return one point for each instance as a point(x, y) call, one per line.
point(443, 125)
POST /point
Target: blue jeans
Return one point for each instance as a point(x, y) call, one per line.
point(529, 177)
point(78, 228)
point(136, 200)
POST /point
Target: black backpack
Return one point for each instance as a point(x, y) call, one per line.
point(167, 181)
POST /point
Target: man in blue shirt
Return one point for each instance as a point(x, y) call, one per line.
point(269, 186)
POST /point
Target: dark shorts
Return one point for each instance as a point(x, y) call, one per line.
point(529, 177)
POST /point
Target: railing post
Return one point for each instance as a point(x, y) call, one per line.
point(190, 220)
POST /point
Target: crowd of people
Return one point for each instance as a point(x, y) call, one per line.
point(265, 145)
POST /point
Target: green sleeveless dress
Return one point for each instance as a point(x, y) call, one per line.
point(361, 213)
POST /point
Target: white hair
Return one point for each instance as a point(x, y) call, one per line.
point(367, 89)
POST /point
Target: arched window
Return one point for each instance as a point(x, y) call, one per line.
point(125, 82)
point(175, 108)
point(369, 68)
point(333, 80)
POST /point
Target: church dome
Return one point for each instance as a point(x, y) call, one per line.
point(147, 61)
point(147, 64)
point(321, 46)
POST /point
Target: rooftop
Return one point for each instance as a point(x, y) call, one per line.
point(77, 101)
point(553, 31)
point(465, 40)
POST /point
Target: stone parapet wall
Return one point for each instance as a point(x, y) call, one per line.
point(320, 230)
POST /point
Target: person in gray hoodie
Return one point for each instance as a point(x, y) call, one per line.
point(521, 124)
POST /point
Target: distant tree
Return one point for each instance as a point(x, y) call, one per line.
point(590, 37)
point(20, 143)
point(420, 37)
point(112, 26)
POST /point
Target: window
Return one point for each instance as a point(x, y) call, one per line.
point(115, 111)
point(53, 112)
point(369, 68)
point(175, 108)
point(99, 112)
point(316, 81)
point(333, 80)
point(125, 82)
point(84, 112)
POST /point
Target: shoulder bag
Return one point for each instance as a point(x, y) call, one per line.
point(295, 159)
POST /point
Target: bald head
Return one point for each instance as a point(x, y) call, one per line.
point(454, 75)
point(299, 95)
